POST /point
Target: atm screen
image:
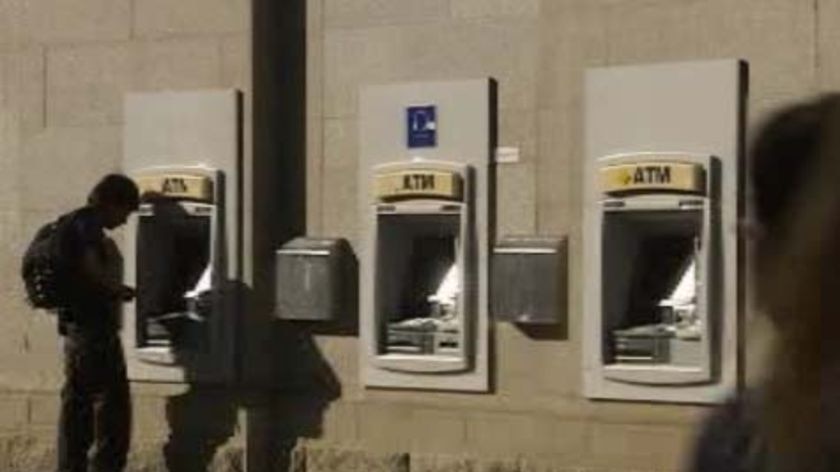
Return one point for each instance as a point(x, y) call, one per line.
point(418, 256)
point(651, 272)
point(173, 251)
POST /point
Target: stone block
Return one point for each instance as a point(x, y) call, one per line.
point(498, 465)
point(516, 376)
point(177, 64)
point(314, 174)
point(350, 59)
point(13, 412)
point(365, 13)
point(354, 460)
point(516, 207)
point(314, 70)
point(13, 240)
point(85, 84)
point(11, 18)
point(438, 431)
point(558, 367)
point(236, 62)
point(146, 456)
point(657, 448)
point(10, 148)
point(158, 18)
point(341, 354)
point(828, 35)
point(572, 37)
point(340, 192)
point(44, 410)
point(396, 462)
point(53, 21)
point(441, 463)
point(777, 37)
point(560, 170)
point(21, 453)
point(384, 427)
point(655, 414)
point(476, 9)
point(506, 434)
point(22, 90)
point(340, 423)
point(63, 164)
point(555, 465)
point(149, 417)
point(518, 129)
point(505, 50)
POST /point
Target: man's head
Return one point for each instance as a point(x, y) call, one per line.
point(784, 159)
point(115, 197)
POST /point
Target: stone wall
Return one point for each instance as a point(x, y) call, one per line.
point(64, 66)
point(538, 51)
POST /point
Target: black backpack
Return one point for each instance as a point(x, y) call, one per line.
point(44, 268)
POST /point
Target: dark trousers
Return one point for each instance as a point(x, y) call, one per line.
point(95, 404)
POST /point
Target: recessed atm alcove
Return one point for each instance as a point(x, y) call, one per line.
point(657, 262)
point(175, 257)
point(177, 264)
point(423, 303)
point(424, 206)
point(183, 246)
point(660, 249)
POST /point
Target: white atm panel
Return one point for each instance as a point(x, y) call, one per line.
point(660, 257)
point(182, 246)
point(424, 181)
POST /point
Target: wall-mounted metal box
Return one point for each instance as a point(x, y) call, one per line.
point(528, 280)
point(312, 279)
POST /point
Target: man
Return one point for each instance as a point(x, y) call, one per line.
point(95, 400)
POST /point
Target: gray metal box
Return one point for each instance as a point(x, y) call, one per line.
point(311, 279)
point(528, 284)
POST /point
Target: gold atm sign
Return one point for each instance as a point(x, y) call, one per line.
point(418, 184)
point(654, 176)
point(185, 186)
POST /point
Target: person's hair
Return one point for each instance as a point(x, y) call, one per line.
point(115, 189)
point(795, 171)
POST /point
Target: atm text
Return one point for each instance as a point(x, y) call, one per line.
point(418, 182)
point(174, 185)
point(652, 175)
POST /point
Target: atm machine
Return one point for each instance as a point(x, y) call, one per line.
point(424, 208)
point(177, 262)
point(659, 258)
point(661, 296)
point(423, 249)
point(182, 245)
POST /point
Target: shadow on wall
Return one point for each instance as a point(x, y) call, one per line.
point(205, 418)
point(279, 412)
point(278, 419)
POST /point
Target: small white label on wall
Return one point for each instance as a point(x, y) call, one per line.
point(507, 155)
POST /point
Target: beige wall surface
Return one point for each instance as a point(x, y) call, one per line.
point(64, 67)
point(538, 51)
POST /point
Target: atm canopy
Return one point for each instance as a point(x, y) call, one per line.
point(419, 183)
point(653, 176)
point(177, 185)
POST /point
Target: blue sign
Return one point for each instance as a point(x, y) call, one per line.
point(422, 126)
